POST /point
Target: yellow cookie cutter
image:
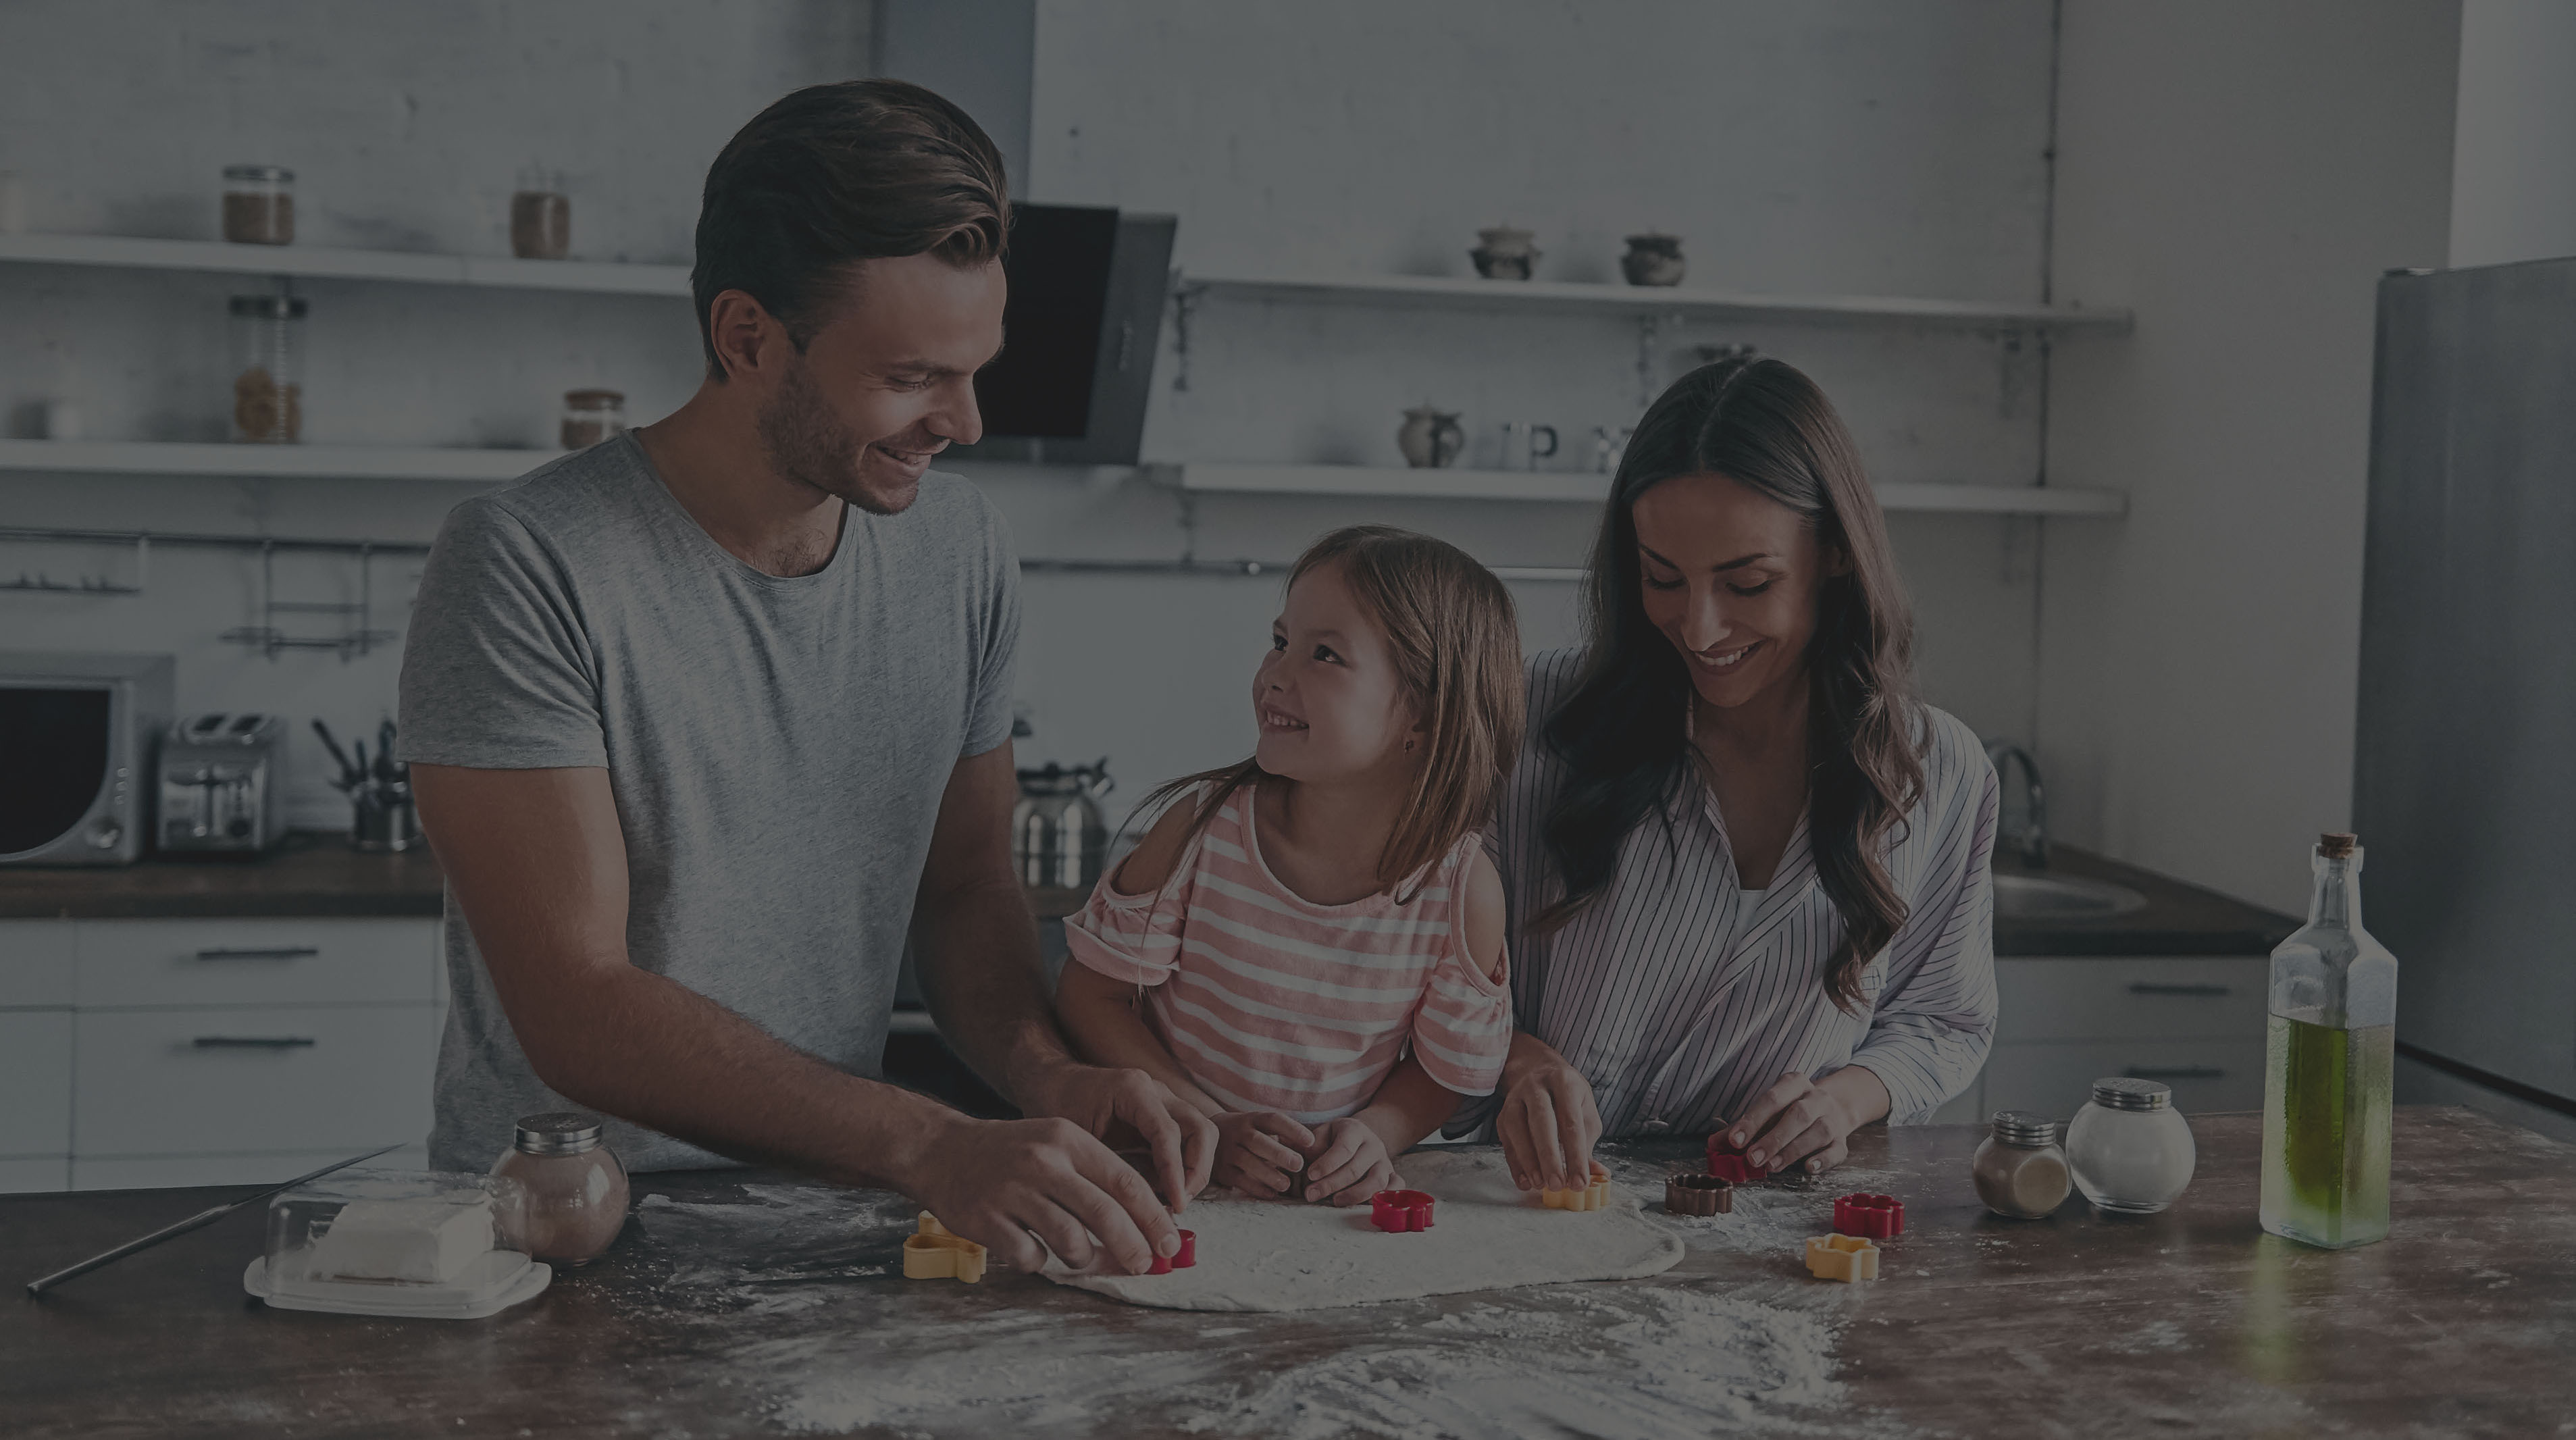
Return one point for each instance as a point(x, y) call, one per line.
point(931, 1253)
point(1842, 1257)
point(1595, 1196)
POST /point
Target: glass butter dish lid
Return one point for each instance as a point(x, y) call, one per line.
point(399, 1243)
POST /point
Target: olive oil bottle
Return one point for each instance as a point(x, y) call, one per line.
point(2329, 1062)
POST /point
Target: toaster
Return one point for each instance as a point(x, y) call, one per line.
point(221, 778)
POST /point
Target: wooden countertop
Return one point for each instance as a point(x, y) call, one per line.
point(312, 873)
point(738, 1304)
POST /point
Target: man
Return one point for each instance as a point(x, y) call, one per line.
point(702, 719)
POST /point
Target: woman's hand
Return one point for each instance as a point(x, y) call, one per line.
point(1548, 1122)
point(1353, 1164)
point(1259, 1152)
point(1802, 1120)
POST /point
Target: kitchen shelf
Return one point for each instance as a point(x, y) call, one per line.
point(1581, 488)
point(352, 462)
point(314, 262)
point(1450, 290)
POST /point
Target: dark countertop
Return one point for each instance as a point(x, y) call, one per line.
point(741, 1304)
point(2180, 918)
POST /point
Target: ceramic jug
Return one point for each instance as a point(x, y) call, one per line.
point(1430, 438)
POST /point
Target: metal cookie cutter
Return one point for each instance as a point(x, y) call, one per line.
point(931, 1253)
point(1181, 1259)
point(1397, 1211)
point(1698, 1195)
point(1842, 1257)
point(1595, 1196)
point(1877, 1217)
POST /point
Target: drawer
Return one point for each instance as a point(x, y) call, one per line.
point(2179, 999)
point(255, 962)
point(35, 1082)
point(198, 1082)
point(28, 1177)
point(267, 1167)
point(35, 963)
point(2056, 1078)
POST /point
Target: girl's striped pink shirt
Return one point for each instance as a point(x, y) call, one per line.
point(1272, 1002)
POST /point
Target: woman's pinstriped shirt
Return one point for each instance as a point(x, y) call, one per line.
point(1682, 996)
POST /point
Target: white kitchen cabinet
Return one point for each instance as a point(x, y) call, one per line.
point(319, 1035)
point(2193, 1022)
point(2055, 1077)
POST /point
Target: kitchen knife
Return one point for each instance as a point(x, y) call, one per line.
point(197, 1221)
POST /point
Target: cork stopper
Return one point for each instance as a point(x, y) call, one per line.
point(2335, 845)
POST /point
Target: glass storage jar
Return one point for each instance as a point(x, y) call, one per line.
point(590, 416)
point(540, 217)
point(2128, 1149)
point(576, 1189)
point(259, 205)
point(268, 368)
point(2020, 1171)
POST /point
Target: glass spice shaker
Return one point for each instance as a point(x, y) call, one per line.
point(268, 368)
point(540, 217)
point(590, 416)
point(2128, 1149)
point(2020, 1172)
point(576, 1189)
point(259, 205)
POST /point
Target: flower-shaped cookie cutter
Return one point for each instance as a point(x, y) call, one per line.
point(1181, 1259)
point(1842, 1257)
point(1687, 1194)
point(1728, 1163)
point(1594, 1196)
point(1397, 1211)
point(1875, 1217)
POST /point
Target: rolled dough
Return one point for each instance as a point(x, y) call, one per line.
point(1485, 1235)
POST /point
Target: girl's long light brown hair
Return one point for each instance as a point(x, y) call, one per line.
point(1449, 625)
point(1766, 426)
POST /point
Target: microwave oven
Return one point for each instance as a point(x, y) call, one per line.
point(77, 735)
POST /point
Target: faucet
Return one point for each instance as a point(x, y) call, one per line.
point(2031, 840)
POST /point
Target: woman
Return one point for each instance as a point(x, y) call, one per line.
point(1747, 871)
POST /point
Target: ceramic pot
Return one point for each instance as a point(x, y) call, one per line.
point(1429, 438)
point(1653, 259)
point(1506, 254)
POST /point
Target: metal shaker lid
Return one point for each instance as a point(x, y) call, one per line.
point(2124, 1092)
point(2020, 1127)
point(559, 1132)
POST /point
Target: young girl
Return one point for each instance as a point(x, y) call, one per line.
point(1308, 946)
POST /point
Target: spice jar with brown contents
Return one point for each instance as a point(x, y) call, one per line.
point(576, 1189)
point(590, 416)
point(259, 205)
point(268, 368)
point(540, 225)
point(2019, 1170)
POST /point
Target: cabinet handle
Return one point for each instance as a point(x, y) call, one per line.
point(2175, 1072)
point(2146, 987)
point(255, 1042)
point(282, 952)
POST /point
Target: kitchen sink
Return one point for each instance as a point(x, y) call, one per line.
point(2062, 897)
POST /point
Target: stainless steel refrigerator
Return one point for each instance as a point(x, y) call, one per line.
point(2465, 776)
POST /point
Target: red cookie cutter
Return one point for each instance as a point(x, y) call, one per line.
point(1728, 1163)
point(1182, 1259)
point(1397, 1211)
point(1874, 1217)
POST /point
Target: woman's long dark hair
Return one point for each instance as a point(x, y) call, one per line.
point(1620, 731)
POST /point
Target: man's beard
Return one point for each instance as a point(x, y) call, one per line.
point(803, 441)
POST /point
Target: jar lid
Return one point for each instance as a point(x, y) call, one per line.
point(259, 172)
point(2127, 1092)
point(558, 1132)
point(594, 399)
point(2020, 1127)
point(269, 307)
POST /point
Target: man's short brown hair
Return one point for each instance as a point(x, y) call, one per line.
point(831, 174)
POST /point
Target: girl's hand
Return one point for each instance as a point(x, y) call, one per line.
point(1548, 1122)
point(1353, 1165)
point(1806, 1120)
point(1259, 1152)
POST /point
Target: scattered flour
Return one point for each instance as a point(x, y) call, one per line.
point(801, 1232)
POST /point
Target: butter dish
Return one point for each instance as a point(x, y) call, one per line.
point(399, 1243)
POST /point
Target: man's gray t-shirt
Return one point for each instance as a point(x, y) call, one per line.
point(777, 746)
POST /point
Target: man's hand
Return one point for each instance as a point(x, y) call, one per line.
point(1800, 1119)
point(1352, 1164)
point(1010, 1184)
point(1258, 1152)
point(1100, 1100)
point(1548, 1122)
